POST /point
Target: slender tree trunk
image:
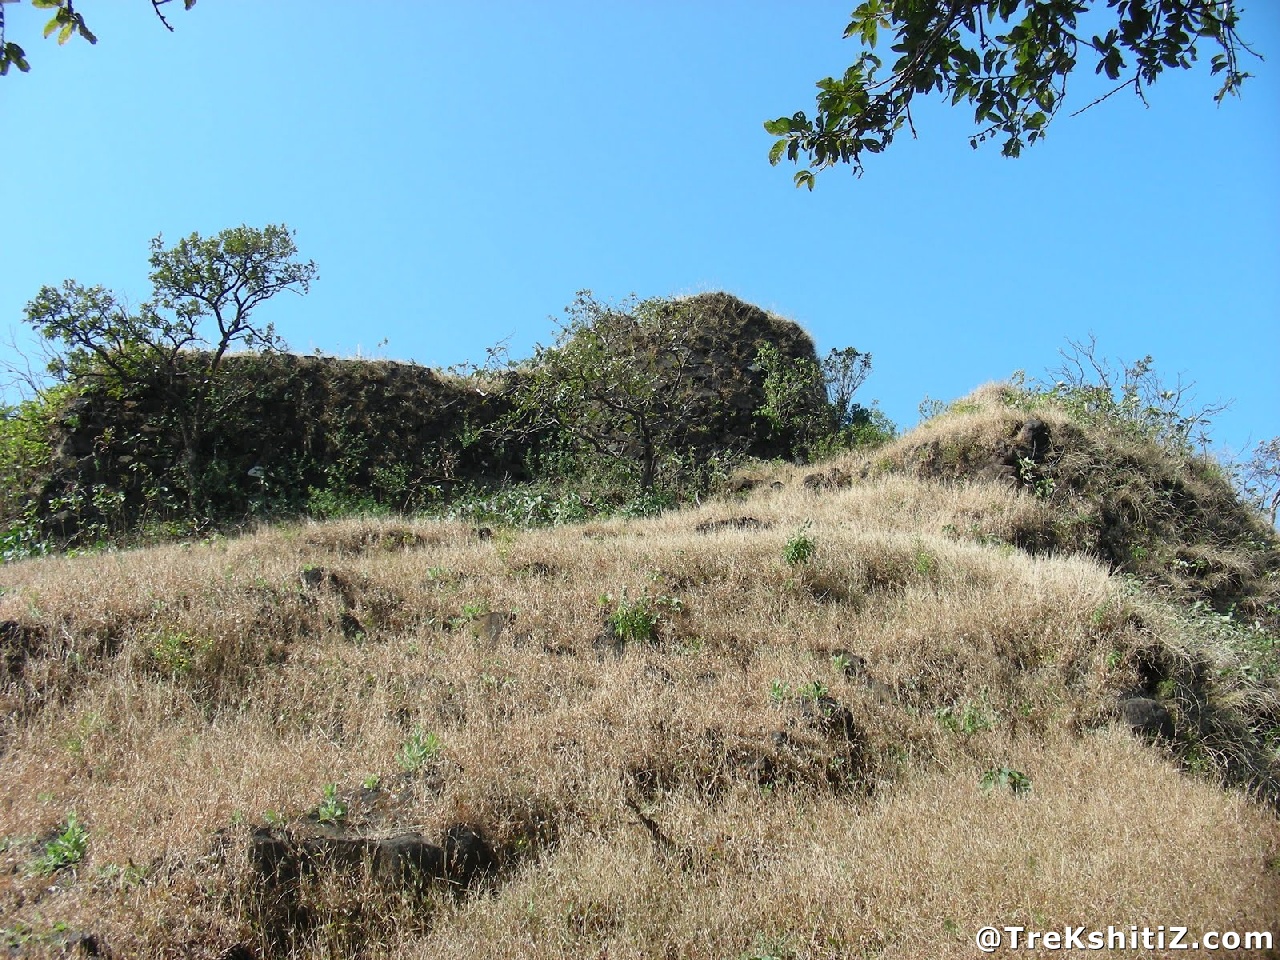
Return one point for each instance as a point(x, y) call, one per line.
point(648, 459)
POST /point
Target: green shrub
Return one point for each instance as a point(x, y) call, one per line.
point(522, 505)
point(1015, 780)
point(23, 539)
point(332, 808)
point(811, 403)
point(1132, 397)
point(868, 428)
point(418, 750)
point(813, 691)
point(799, 549)
point(795, 403)
point(65, 849)
point(25, 455)
point(969, 719)
point(176, 653)
point(924, 562)
point(634, 621)
point(334, 503)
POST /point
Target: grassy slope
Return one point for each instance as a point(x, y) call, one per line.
point(680, 799)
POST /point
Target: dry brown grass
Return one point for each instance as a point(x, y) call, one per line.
point(679, 799)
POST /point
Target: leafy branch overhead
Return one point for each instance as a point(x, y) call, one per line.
point(1009, 59)
point(66, 22)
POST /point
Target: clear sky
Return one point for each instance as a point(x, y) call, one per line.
point(458, 170)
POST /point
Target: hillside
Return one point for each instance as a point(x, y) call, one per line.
point(984, 675)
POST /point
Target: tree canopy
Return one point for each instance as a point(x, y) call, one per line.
point(204, 294)
point(1009, 59)
point(616, 382)
point(66, 22)
point(222, 279)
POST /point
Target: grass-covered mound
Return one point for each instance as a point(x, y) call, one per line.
point(1104, 487)
point(816, 720)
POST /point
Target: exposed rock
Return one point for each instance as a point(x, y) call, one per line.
point(297, 417)
point(1018, 459)
point(1032, 440)
point(785, 742)
point(321, 578)
point(833, 479)
point(609, 641)
point(17, 645)
point(77, 943)
point(1148, 718)
point(407, 861)
point(351, 626)
point(467, 856)
point(272, 856)
point(716, 338)
point(296, 410)
point(490, 625)
point(731, 523)
point(828, 715)
point(880, 690)
point(314, 577)
point(403, 862)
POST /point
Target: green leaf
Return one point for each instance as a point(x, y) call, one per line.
point(46, 4)
point(13, 54)
point(805, 178)
point(780, 127)
point(776, 151)
point(65, 33)
point(49, 27)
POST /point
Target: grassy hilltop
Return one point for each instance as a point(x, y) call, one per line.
point(983, 675)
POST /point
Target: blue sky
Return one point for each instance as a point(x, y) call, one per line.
point(459, 170)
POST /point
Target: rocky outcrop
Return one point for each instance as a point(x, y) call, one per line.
point(725, 387)
point(404, 862)
point(1018, 460)
point(278, 425)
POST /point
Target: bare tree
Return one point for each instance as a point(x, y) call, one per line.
point(1133, 394)
point(1260, 478)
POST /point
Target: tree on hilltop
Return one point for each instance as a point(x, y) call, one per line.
point(616, 383)
point(205, 292)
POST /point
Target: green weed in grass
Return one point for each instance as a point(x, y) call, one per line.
point(65, 849)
